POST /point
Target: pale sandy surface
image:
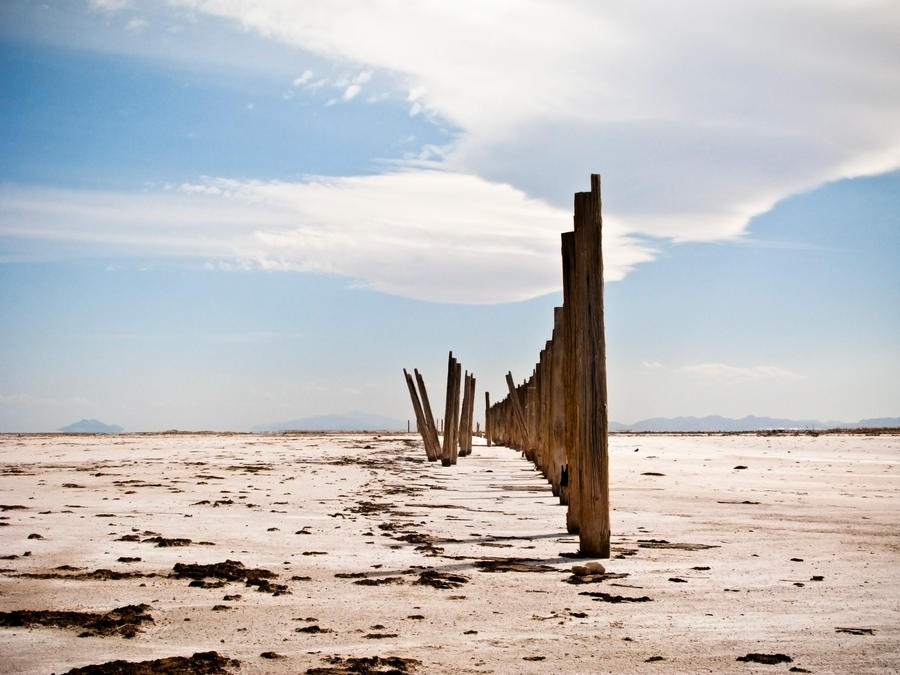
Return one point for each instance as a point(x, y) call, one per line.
point(831, 501)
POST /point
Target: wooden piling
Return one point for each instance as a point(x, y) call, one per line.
point(487, 418)
point(517, 409)
point(570, 371)
point(464, 426)
point(454, 420)
point(447, 454)
point(558, 406)
point(430, 428)
point(591, 442)
point(470, 415)
point(417, 408)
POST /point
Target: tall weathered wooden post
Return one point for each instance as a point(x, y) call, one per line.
point(592, 432)
point(454, 448)
point(570, 371)
point(558, 407)
point(470, 413)
point(487, 418)
point(465, 427)
point(448, 454)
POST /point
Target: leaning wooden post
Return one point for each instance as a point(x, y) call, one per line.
point(593, 441)
point(429, 419)
point(517, 408)
point(420, 422)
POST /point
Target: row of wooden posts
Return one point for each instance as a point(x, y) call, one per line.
point(558, 417)
point(458, 417)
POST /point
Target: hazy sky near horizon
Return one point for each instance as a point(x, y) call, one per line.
point(216, 214)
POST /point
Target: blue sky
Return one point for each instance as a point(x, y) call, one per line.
point(215, 215)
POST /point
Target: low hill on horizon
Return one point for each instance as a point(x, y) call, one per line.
point(748, 423)
point(91, 427)
point(351, 421)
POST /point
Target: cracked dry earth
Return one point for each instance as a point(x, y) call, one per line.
point(229, 553)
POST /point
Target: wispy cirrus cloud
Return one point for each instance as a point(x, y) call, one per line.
point(427, 234)
point(32, 401)
point(109, 5)
point(303, 79)
point(737, 374)
point(26, 400)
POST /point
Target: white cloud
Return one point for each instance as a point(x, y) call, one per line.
point(351, 85)
point(26, 400)
point(303, 79)
point(699, 115)
point(652, 365)
point(737, 374)
point(136, 24)
point(252, 337)
point(420, 233)
point(31, 401)
point(110, 5)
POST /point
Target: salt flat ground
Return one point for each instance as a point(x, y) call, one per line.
point(370, 508)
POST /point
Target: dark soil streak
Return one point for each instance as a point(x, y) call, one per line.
point(201, 663)
point(124, 621)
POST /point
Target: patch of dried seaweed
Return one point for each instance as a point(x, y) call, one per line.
point(606, 597)
point(662, 543)
point(201, 663)
point(512, 565)
point(123, 621)
point(96, 575)
point(444, 580)
point(231, 570)
point(366, 665)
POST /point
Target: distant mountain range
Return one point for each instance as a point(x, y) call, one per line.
point(91, 427)
point(352, 421)
point(749, 423)
point(360, 421)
